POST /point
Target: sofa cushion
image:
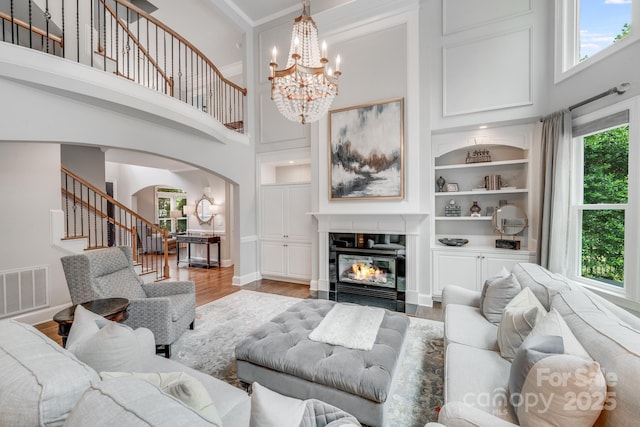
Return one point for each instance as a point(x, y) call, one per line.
point(541, 281)
point(554, 324)
point(131, 402)
point(497, 294)
point(518, 319)
point(40, 381)
point(119, 284)
point(102, 344)
point(180, 385)
point(466, 325)
point(614, 344)
point(478, 378)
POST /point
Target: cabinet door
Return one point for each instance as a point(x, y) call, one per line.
point(299, 222)
point(492, 264)
point(299, 261)
point(455, 269)
point(273, 212)
point(273, 257)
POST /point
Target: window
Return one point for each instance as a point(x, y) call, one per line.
point(171, 200)
point(604, 215)
point(589, 30)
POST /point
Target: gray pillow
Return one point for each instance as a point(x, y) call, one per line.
point(497, 294)
point(533, 349)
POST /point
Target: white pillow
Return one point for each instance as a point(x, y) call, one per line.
point(518, 319)
point(180, 385)
point(562, 390)
point(114, 347)
point(554, 324)
point(271, 409)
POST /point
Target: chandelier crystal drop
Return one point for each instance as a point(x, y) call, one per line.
point(304, 90)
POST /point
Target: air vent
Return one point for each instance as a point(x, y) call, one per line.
point(23, 290)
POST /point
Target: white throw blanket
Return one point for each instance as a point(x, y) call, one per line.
point(351, 326)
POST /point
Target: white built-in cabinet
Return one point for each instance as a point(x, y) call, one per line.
point(470, 265)
point(286, 231)
point(470, 268)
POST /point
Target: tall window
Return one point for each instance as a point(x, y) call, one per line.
point(604, 215)
point(588, 30)
point(170, 200)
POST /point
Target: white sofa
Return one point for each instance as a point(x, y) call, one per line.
point(476, 375)
point(43, 384)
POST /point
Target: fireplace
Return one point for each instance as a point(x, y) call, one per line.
point(368, 269)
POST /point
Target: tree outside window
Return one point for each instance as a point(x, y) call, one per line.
point(605, 197)
point(171, 199)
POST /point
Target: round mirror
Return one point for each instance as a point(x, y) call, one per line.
point(509, 220)
point(204, 210)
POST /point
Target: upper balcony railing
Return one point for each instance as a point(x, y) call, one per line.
point(118, 37)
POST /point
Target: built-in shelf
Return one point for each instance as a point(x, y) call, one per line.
point(483, 164)
point(464, 218)
point(479, 193)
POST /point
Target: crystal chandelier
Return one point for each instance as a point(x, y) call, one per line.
point(304, 90)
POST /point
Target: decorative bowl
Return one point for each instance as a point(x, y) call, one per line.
point(453, 242)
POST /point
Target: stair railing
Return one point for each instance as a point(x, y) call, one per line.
point(92, 214)
point(118, 37)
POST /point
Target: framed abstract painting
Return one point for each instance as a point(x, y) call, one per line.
point(366, 151)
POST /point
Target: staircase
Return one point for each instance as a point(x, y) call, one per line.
point(119, 38)
point(100, 221)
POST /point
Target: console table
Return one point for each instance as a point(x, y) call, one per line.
point(198, 239)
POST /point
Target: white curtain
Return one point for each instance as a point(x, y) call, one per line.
point(556, 167)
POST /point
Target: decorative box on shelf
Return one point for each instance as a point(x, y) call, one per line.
point(451, 208)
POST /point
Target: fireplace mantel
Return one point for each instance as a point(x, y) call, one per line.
point(370, 222)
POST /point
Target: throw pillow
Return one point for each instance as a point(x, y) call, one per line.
point(180, 385)
point(502, 273)
point(497, 295)
point(114, 347)
point(271, 409)
point(554, 324)
point(518, 319)
point(562, 390)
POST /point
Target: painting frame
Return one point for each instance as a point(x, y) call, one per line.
point(366, 151)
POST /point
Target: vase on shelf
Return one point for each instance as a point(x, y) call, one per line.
point(440, 181)
point(475, 209)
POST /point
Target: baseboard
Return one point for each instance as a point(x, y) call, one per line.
point(40, 316)
point(246, 279)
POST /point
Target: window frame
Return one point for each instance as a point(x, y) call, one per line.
point(631, 286)
point(172, 196)
point(567, 39)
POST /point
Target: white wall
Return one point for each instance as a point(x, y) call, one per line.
point(30, 186)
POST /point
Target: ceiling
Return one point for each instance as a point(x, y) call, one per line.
point(257, 12)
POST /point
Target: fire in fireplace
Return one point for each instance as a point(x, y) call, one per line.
point(367, 270)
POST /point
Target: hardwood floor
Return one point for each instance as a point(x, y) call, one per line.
point(215, 283)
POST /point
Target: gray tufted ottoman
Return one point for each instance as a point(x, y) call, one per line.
point(280, 356)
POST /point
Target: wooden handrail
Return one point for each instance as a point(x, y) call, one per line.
point(130, 229)
point(144, 51)
point(31, 28)
point(91, 208)
point(183, 40)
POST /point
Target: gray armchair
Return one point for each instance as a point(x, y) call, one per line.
point(166, 308)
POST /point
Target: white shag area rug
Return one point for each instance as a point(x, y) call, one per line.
point(220, 325)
